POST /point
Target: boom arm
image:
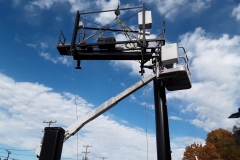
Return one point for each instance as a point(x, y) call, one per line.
point(75, 127)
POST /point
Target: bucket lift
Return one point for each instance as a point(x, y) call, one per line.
point(173, 75)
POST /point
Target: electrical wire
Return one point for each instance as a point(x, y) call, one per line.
point(16, 149)
point(75, 100)
point(146, 116)
point(19, 119)
point(24, 102)
point(92, 22)
point(125, 19)
point(23, 154)
point(18, 110)
point(98, 31)
point(22, 120)
point(94, 34)
point(93, 150)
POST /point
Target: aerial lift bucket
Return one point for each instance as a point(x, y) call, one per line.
point(174, 76)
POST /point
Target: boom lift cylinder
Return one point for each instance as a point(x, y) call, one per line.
point(52, 143)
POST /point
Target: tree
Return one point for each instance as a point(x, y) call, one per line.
point(192, 151)
point(220, 145)
point(206, 152)
point(236, 133)
point(209, 152)
point(225, 143)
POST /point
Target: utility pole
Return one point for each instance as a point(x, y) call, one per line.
point(49, 123)
point(8, 153)
point(86, 152)
point(161, 118)
point(103, 158)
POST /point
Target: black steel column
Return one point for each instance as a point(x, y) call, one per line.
point(161, 117)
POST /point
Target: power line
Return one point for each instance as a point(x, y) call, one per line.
point(15, 110)
point(1, 110)
point(31, 109)
point(16, 149)
point(19, 105)
point(24, 101)
point(94, 155)
point(24, 155)
point(15, 153)
point(146, 113)
point(18, 110)
point(75, 101)
point(94, 151)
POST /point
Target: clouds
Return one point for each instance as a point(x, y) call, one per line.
point(175, 118)
point(16, 2)
point(215, 67)
point(107, 16)
point(171, 8)
point(236, 12)
point(46, 4)
point(63, 60)
point(36, 103)
point(178, 145)
point(218, 58)
point(48, 56)
point(42, 103)
point(43, 4)
point(81, 5)
point(59, 19)
point(33, 9)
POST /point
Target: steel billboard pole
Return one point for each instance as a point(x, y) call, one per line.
point(161, 118)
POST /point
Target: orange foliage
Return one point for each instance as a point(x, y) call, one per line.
point(225, 144)
point(209, 152)
point(220, 145)
point(206, 152)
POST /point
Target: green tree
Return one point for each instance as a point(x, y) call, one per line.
point(236, 133)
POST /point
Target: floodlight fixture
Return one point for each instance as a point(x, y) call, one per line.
point(235, 115)
point(80, 25)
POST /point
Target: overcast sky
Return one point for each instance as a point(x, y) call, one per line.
point(38, 84)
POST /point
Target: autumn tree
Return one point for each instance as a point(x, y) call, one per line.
point(220, 144)
point(192, 151)
point(206, 152)
point(225, 143)
point(209, 152)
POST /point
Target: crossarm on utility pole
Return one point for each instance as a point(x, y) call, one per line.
point(74, 128)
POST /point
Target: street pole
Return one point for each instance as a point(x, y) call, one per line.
point(86, 152)
point(161, 118)
point(49, 123)
point(8, 154)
